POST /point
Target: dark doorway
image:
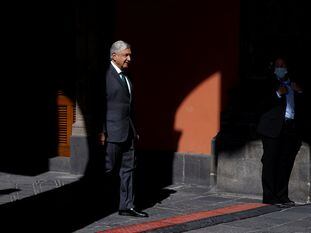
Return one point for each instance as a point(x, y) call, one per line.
point(272, 27)
point(268, 28)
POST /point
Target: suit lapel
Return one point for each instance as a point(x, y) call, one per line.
point(116, 76)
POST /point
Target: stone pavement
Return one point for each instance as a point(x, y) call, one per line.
point(62, 202)
point(291, 220)
point(16, 187)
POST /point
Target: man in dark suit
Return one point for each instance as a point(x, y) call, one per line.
point(118, 130)
point(279, 127)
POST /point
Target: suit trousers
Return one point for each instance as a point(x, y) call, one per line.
point(278, 161)
point(120, 160)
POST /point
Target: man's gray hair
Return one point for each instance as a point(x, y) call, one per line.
point(118, 46)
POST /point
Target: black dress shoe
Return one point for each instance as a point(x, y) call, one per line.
point(276, 203)
point(289, 203)
point(134, 213)
point(281, 205)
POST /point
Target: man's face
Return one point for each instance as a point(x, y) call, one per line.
point(280, 69)
point(280, 63)
point(123, 58)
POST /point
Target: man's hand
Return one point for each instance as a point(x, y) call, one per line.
point(102, 138)
point(296, 87)
point(282, 90)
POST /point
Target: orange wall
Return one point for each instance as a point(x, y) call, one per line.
point(185, 61)
point(197, 117)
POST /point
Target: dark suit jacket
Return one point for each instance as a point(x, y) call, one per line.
point(118, 121)
point(273, 111)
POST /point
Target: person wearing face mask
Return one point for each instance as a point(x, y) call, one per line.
point(280, 72)
point(279, 128)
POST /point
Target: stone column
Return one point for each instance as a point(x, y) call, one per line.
point(79, 144)
point(78, 128)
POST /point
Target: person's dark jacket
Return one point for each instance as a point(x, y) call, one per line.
point(273, 109)
point(118, 121)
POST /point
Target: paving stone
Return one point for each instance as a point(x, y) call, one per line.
point(179, 199)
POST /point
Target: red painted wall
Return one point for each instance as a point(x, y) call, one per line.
point(185, 61)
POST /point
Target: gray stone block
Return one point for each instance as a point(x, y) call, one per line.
point(299, 185)
point(239, 171)
point(178, 168)
point(60, 164)
point(79, 154)
point(192, 168)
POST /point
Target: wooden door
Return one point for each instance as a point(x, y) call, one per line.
point(66, 118)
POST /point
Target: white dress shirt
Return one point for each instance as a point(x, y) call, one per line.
point(290, 103)
point(120, 71)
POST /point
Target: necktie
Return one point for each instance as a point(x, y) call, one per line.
point(122, 77)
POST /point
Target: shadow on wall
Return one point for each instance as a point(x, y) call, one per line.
point(239, 120)
point(34, 52)
point(193, 49)
point(267, 29)
point(173, 55)
point(58, 48)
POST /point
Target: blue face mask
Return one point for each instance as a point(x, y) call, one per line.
point(280, 72)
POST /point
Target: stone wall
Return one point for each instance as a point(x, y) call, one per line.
point(239, 171)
